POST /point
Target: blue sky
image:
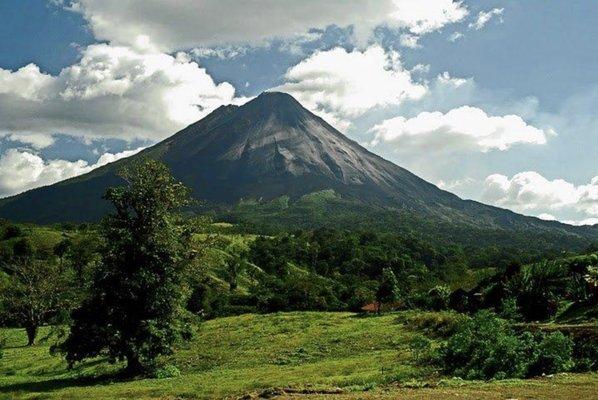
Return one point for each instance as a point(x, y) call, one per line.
point(493, 100)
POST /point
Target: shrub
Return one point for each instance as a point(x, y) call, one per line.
point(484, 348)
point(553, 354)
point(12, 231)
point(509, 309)
point(439, 297)
point(423, 352)
point(167, 371)
point(585, 353)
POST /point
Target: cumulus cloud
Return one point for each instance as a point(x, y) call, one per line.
point(192, 23)
point(463, 129)
point(341, 85)
point(485, 16)
point(23, 170)
point(113, 91)
point(530, 192)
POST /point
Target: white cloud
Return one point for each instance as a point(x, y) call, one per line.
point(192, 23)
point(455, 36)
point(547, 217)
point(452, 185)
point(38, 141)
point(485, 16)
point(24, 170)
point(463, 129)
point(424, 16)
point(530, 192)
point(222, 52)
point(341, 85)
point(112, 91)
point(587, 221)
point(409, 40)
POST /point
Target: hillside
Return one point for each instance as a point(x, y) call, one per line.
point(272, 148)
point(229, 357)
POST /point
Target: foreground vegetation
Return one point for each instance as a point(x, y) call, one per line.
point(207, 312)
point(369, 356)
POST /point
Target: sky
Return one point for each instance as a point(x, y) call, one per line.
point(492, 100)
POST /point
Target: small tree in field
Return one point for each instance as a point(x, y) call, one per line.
point(135, 308)
point(34, 293)
point(388, 290)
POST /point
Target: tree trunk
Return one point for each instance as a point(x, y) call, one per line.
point(134, 366)
point(31, 334)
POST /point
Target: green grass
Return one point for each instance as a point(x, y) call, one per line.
point(232, 356)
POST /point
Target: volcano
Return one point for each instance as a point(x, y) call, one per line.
point(271, 147)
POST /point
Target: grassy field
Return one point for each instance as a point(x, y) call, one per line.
point(365, 357)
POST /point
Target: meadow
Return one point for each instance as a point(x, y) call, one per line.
point(285, 355)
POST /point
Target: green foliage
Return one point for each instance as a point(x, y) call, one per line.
point(438, 297)
point(388, 290)
point(509, 309)
point(485, 243)
point(538, 291)
point(541, 285)
point(585, 352)
point(35, 291)
point(344, 269)
point(485, 347)
point(436, 325)
point(23, 249)
point(235, 356)
point(167, 371)
point(134, 310)
point(11, 231)
point(554, 352)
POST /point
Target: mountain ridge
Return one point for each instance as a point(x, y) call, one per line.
point(270, 147)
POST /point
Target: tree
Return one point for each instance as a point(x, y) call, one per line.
point(236, 264)
point(23, 249)
point(35, 292)
point(439, 297)
point(388, 290)
point(135, 309)
point(62, 248)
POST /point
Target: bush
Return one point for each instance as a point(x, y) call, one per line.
point(167, 371)
point(585, 352)
point(439, 297)
point(485, 347)
point(509, 309)
point(12, 231)
point(553, 354)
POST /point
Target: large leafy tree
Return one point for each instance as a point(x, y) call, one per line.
point(135, 308)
